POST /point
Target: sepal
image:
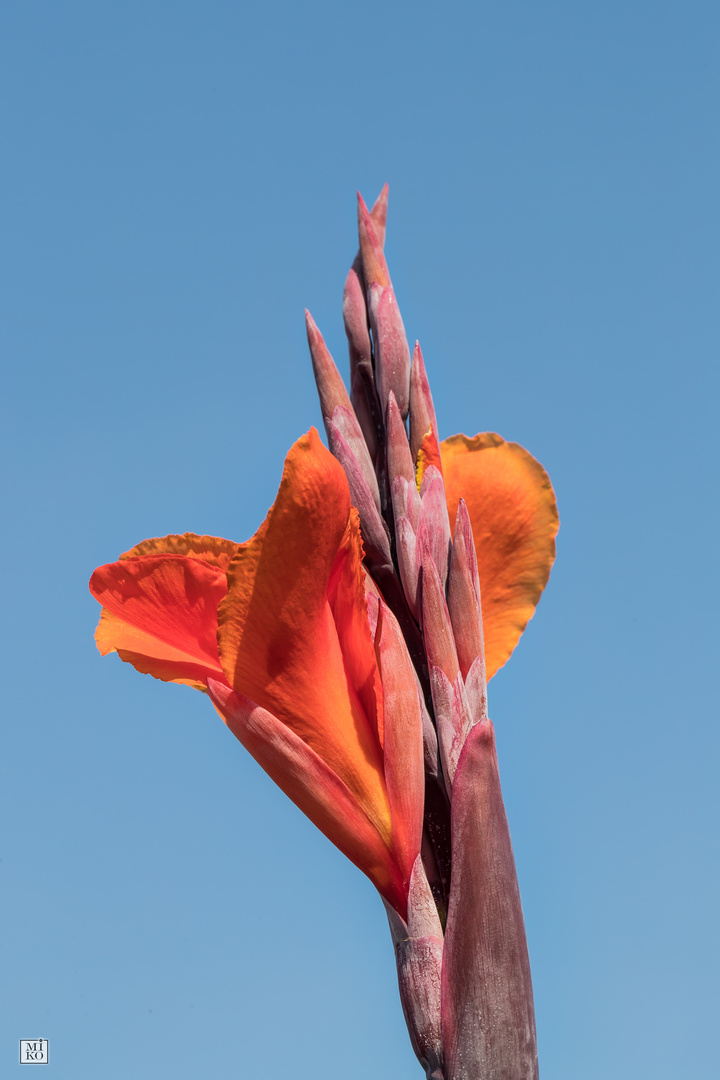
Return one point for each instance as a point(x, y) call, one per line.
point(418, 955)
point(488, 1020)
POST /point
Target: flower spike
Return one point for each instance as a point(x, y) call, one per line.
point(348, 644)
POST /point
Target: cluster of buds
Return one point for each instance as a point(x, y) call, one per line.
point(348, 645)
point(461, 952)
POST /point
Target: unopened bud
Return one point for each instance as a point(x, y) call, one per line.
point(374, 530)
point(392, 356)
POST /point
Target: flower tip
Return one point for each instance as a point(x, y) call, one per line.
point(379, 214)
point(462, 520)
point(371, 252)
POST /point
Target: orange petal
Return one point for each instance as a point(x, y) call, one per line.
point(313, 787)
point(213, 550)
point(284, 624)
point(514, 521)
point(160, 610)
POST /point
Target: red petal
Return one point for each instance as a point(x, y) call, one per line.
point(160, 614)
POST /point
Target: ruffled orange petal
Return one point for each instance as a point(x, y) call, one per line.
point(280, 643)
point(213, 550)
point(160, 610)
point(514, 519)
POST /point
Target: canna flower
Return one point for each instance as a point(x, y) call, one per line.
point(277, 632)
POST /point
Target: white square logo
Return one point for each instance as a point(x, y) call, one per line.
point(33, 1051)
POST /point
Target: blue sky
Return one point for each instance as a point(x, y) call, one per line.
point(178, 184)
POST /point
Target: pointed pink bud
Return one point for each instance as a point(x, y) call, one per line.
point(488, 1018)
point(433, 531)
point(379, 215)
point(374, 530)
point(392, 356)
point(465, 608)
point(402, 740)
point(437, 631)
point(362, 380)
point(422, 410)
point(400, 462)
point(374, 267)
point(330, 385)
point(347, 424)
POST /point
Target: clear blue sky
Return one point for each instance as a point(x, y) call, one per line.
point(178, 184)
